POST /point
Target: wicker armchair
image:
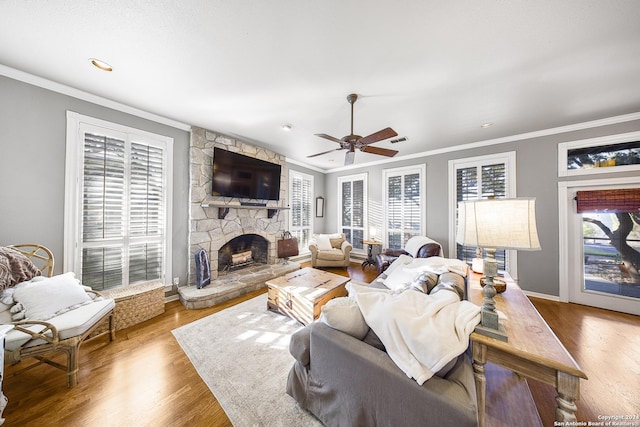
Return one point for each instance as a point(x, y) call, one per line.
point(64, 332)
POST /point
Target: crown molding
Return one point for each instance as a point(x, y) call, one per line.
point(86, 96)
point(503, 140)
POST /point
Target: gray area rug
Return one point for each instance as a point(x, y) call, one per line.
point(242, 354)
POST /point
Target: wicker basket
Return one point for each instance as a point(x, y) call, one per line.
point(136, 304)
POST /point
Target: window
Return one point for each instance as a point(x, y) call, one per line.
point(118, 204)
point(352, 215)
point(480, 178)
point(301, 213)
point(605, 154)
point(404, 199)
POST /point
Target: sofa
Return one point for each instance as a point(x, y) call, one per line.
point(330, 250)
point(417, 247)
point(345, 380)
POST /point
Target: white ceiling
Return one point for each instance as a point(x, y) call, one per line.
point(432, 70)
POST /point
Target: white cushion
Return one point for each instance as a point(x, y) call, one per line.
point(324, 244)
point(45, 298)
point(344, 315)
point(70, 324)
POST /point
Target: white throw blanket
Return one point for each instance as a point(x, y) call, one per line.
point(421, 333)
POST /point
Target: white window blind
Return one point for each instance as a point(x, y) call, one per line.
point(301, 213)
point(404, 191)
point(352, 192)
point(482, 178)
point(118, 204)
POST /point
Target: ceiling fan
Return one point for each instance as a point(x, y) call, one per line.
point(352, 141)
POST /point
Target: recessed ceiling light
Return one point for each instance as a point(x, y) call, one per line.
point(287, 127)
point(486, 125)
point(100, 64)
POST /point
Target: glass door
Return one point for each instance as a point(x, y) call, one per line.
point(604, 247)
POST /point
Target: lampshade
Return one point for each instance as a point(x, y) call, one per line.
point(498, 223)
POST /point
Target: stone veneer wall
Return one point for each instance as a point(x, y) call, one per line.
point(206, 230)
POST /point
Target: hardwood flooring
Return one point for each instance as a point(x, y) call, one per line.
point(145, 379)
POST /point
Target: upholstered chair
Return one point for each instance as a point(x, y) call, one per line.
point(417, 247)
point(330, 250)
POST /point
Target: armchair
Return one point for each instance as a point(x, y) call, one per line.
point(417, 247)
point(330, 250)
point(48, 314)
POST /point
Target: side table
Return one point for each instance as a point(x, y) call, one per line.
point(370, 260)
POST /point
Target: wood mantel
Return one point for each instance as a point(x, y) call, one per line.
point(533, 350)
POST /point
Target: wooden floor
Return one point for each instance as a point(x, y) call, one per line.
point(144, 379)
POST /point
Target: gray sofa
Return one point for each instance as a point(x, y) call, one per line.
point(345, 381)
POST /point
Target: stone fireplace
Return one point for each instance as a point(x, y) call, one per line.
point(216, 222)
point(240, 240)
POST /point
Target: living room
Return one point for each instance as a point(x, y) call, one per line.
point(34, 127)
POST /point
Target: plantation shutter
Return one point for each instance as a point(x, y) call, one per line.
point(301, 208)
point(404, 214)
point(490, 181)
point(123, 208)
point(353, 198)
point(146, 213)
point(102, 213)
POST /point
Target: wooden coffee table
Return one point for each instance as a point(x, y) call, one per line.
point(302, 293)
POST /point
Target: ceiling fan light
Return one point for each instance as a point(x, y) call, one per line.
point(349, 158)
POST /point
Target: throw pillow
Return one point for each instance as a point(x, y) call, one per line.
point(324, 244)
point(424, 282)
point(43, 299)
point(344, 315)
point(336, 241)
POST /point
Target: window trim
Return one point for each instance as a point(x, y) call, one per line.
point(404, 170)
point(73, 187)
point(364, 177)
point(303, 249)
point(509, 160)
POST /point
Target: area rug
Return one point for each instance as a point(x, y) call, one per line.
point(242, 354)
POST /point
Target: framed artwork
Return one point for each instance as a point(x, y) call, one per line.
point(319, 207)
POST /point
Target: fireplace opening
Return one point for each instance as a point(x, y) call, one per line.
point(243, 251)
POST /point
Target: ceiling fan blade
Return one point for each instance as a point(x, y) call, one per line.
point(379, 151)
point(329, 137)
point(378, 136)
point(325, 152)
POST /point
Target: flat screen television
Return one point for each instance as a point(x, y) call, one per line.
point(244, 177)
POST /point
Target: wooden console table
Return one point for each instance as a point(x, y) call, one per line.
point(533, 350)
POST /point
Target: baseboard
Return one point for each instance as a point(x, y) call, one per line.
point(170, 298)
point(541, 296)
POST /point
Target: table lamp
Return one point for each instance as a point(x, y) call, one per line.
point(496, 224)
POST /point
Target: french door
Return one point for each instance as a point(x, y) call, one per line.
point(600, 245)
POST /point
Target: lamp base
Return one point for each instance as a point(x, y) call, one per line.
point(490, 326)
point(499, 334)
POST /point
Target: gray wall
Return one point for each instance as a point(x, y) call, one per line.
point(536, 176)
point(32, 163)
point(32, 158)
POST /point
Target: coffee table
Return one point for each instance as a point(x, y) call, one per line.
point(302, 293)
